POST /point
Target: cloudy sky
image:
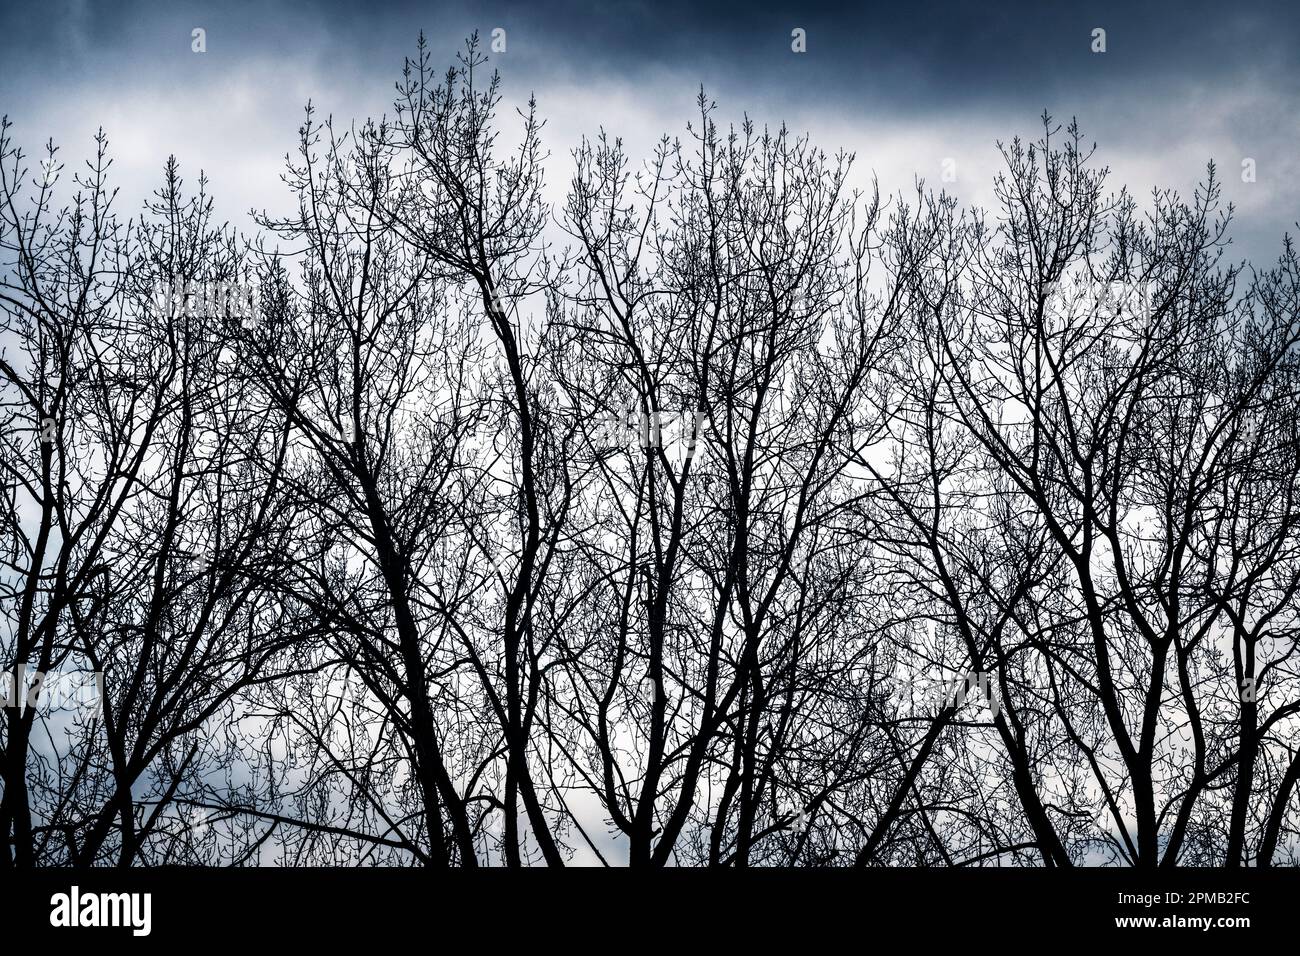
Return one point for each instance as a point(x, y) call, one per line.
point(904, 86)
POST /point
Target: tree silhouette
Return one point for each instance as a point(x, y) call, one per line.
point(720, 515)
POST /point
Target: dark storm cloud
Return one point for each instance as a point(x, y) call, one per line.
point(888, 56)
point(906, 84)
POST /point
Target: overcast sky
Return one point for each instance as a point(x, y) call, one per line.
point(905, 86)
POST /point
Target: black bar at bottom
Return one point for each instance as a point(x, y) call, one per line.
point(602, 907)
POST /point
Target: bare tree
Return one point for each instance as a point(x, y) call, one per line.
point(725, 516)
point(1083, 381)
point(726, 298)
point(136, 517)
